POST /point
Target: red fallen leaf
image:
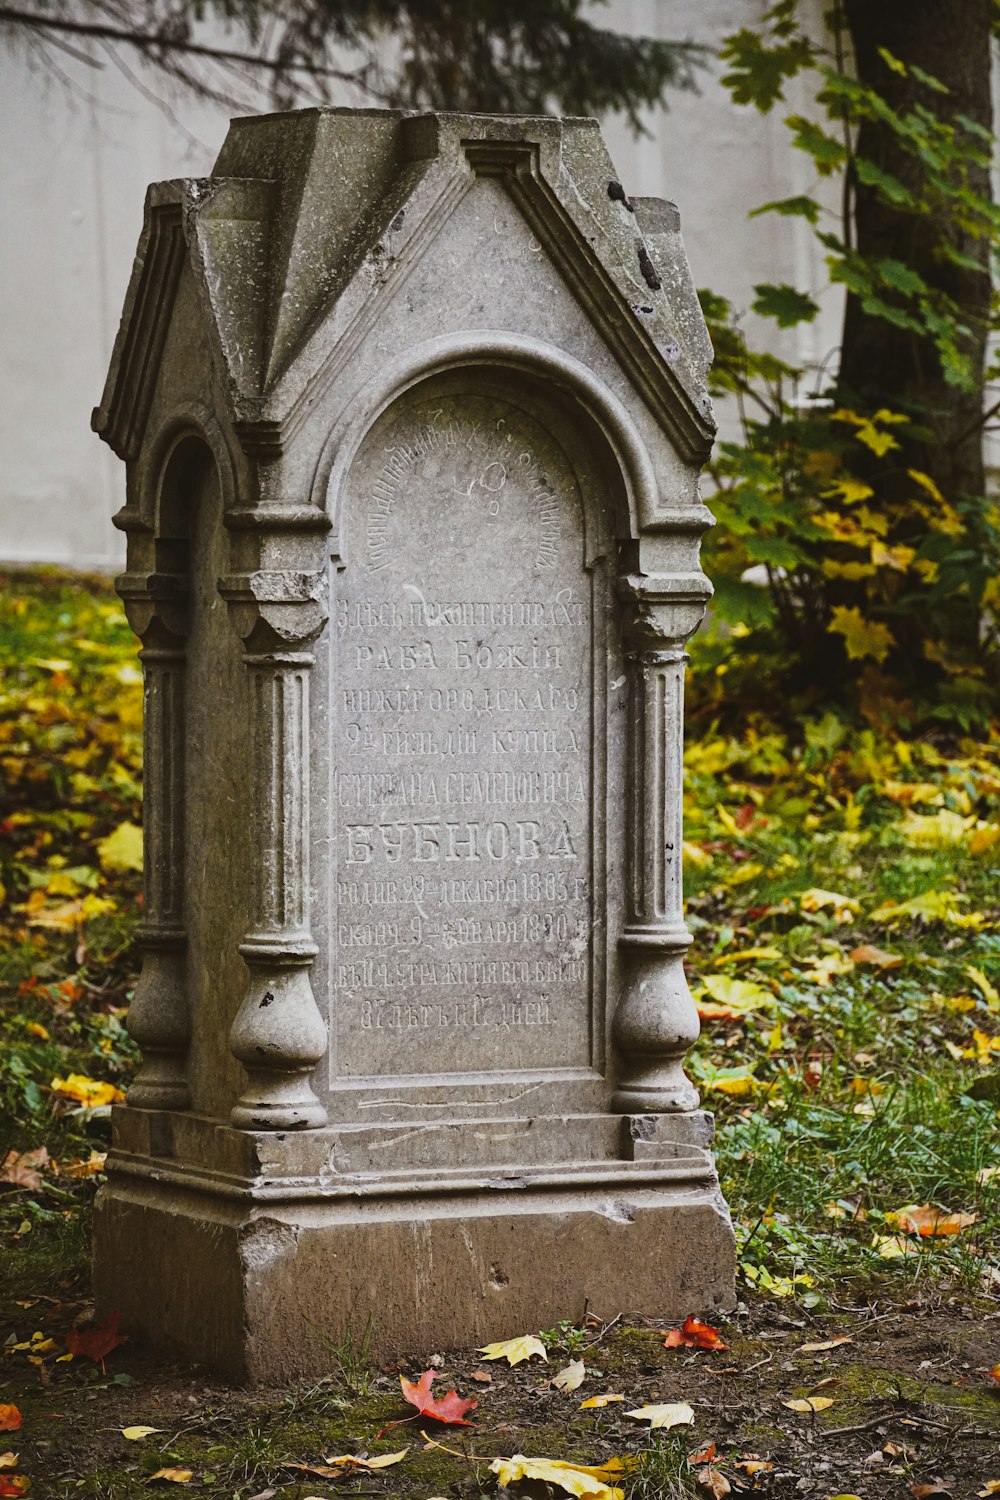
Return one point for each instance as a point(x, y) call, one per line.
point(10, 1419)
point(18, 1168)
point(694, 1335)
point(14, 1485)
point(744, 818)
point(995, 1374)
point(96, 1343)
point(704, 1455)
point(448, 1408)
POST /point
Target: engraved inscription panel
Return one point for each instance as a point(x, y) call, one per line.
point(462, 741)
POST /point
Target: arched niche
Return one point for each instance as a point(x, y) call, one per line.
point(473, 745)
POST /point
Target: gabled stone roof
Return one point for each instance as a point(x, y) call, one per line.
point(310, 219)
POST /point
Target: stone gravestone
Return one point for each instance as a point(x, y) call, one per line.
point(413, 408)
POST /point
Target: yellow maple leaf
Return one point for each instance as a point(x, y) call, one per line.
point(861, 637)
point(87, 1091)
point(514, 1351)
point(842, 908)
point(989, 991)
point(737, 994)
point(122, 849)
point(809, 1404)
point(666, 1414)
point(940, 830)
point(585, 1480)
point(173, 1475)
point(604, 1399)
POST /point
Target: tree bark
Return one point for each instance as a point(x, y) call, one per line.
point(880, 363)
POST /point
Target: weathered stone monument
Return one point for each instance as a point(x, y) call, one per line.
point(413, 408)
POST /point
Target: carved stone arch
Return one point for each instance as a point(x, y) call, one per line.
point(561, 377)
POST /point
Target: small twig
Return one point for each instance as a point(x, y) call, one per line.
point(765, 1361)
point(861, 1426)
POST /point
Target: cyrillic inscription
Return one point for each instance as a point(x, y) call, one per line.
point(461, 750)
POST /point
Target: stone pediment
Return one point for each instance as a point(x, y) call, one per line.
point(312, 223)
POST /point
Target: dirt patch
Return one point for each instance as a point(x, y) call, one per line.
point(913, 1403)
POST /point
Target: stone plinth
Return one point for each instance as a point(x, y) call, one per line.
point(413, 409)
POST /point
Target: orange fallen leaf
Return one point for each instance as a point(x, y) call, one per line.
point(714, 1482)
point(19, 1168)
point(172, 1475)
point(10, 1419)
point(877, 957)
point(753, 1466)
point(96, 1343)
point(483, 1377)
point(694, 1335)
point(992, 1487)
point(995, 1373)
point(936, 1490)
point(927, 1220)
point(704, 1455)
point(605, 1399)
point(12, 1485)
point(448, 1408)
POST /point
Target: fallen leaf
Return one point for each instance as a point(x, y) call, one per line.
point(590, 1481)
point(927, 1220)
point(809, 1404)
point(992, 1488)
point(753, 1466)
point(606, 1398)
point(12, 1485)
point(668, 1414)
point(570, 1378)
point(448, 1408)
point(936, 1490)
point(842, 908)
point(704, 1454)
point(10, 1419)
point(8, 1460)
point(826, 1344)
point(122, 849)
point(892, 1246)
point(514, 1351)
point(173, 1475)
point(694, 1335)
point(336, 1465)
point(90, 1092)
point(81, 1169)
point(482, 1376)
point(714, 1482)
point(96, 1343)
point(136, 1434)
point(877, 957)
point(20, 1168)
point(994, 1374)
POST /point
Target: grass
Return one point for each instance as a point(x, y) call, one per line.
point(844, 1032)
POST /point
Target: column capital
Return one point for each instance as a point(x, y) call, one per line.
point(156, 607)
point(663, 610)
point(276, 610)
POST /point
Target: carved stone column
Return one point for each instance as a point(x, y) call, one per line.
point(158, 1019)
point(279, 1035)
point(656, 1022)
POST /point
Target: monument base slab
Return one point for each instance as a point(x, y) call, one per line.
point(261, 1280)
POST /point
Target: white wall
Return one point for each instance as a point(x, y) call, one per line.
point(74, 167)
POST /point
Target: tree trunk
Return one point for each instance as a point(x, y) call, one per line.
point(880, 363)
